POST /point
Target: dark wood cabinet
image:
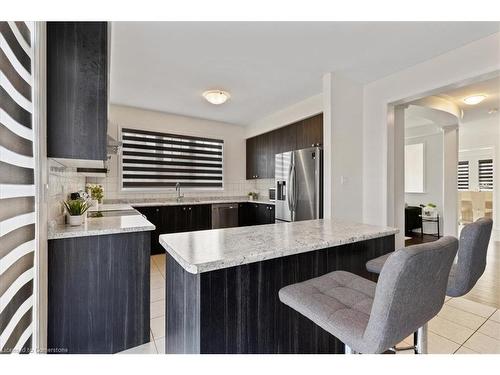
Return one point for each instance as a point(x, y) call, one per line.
point(98, 293)
point(176, 219)
point(261, 150)
point(255, 214)
point(153, 214)
point(77, 77)
point(309, 132)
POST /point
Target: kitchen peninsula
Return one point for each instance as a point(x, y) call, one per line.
point(222, 285)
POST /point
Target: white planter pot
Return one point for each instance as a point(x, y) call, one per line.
point(74, 220)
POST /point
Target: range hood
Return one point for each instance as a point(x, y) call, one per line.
point(92, 168)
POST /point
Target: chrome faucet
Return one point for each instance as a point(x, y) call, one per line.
point(178, 191)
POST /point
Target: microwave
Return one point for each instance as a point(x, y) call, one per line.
point(272, 194)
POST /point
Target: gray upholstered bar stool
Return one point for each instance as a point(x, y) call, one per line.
point(372, 317)
point(470, 265)
point(471, 259)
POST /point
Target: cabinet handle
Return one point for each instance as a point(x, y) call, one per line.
point(157, 210)
point(189, 208)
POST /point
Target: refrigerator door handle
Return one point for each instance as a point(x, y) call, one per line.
point(289, 188)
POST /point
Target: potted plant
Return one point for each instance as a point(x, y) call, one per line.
point(253, 196)
point(429, 210)
point(96, 194)
point(76, 210)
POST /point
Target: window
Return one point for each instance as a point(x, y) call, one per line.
point(463, 175)
point(485, 174)
point(153, 160)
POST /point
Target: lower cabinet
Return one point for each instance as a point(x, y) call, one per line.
point(98, 293)
point(255, 214)
point(176, 219)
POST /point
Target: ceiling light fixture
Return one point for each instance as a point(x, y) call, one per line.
point(216, 96)
point(474, 99)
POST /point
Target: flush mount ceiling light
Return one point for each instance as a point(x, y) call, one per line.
point(474, 99)
point(216, 96)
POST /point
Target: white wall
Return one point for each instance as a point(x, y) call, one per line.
point(433, 175)
point(343, 147)
point(235, 182)
point(477, 140)
point(382, 191)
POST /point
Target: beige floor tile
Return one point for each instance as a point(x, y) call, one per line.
point(461, 317)
point(159, 260)
point(446, 299)
point(483, 344)
point(440, 345)
point(158, 327)
point(461, 350)
point(148, 348)
point(472, 307)
point(157, 309)
point(160, 345)
point(154, 268)
point(450, 330)
point(496, 316)
point(157, 294)
point(157, 281)
point(491, 328)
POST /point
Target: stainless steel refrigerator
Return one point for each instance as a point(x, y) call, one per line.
point(299, 185)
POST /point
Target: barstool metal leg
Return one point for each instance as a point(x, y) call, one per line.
point(421, 340)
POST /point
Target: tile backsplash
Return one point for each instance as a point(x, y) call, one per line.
point(65, 180)
point(62, 182)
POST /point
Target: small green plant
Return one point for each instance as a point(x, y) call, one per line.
point(76, 207)
point(431, 205)
point(253, 195)
point(96, 192)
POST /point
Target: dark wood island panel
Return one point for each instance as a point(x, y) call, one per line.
point(237, 309)
point(98, 292)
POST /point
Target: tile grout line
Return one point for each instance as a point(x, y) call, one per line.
point(488, 318)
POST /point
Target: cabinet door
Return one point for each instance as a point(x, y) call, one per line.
point(168, 221)
point(287, 139)
point(273, 149)
point(271, 215)
point(310, 132)
point(201, 217)
point(243, 214)
point(154, 216)
point(251, 158)
point(262, 214)
point(262, 154)
point(182, 219)
point(77, 90)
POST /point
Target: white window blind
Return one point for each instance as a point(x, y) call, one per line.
point(485, 174)
point(463, 175)
point(154, 160)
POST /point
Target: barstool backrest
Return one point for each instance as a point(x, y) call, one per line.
point(471, 260)
point(410, 291)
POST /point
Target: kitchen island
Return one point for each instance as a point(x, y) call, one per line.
point(222, 285)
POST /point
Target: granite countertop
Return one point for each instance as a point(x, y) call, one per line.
point(101, 226)
point(210, 250)
point(188, 201)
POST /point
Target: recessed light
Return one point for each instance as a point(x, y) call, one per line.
point(216, 96)
point(474, 99)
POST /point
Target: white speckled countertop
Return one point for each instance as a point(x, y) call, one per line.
point(101, 226)
point(210, 250)
point(187, 202)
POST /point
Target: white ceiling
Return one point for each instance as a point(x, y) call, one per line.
point(266, 66)
point(490, 88)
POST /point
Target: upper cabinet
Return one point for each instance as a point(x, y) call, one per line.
point(309, 132)
point(262, 148)
point(77, 87)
